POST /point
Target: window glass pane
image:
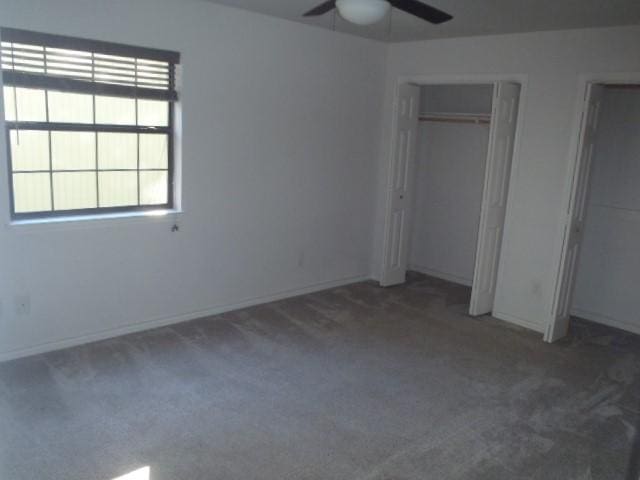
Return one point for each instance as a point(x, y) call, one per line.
point(153, 113)
point(117, 151)
point(153, 150)
point(31, 192)
point(9, 104)
point(118, 189)
point(70, 107)
point(73, 150)
point(153, 188)
point(29, 150)
point(115, 110)
point(74, 190)
point(31, 105)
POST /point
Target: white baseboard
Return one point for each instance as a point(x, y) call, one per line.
point(606, 320)
point(442, 275)
point(164, 321)
point(521, 322)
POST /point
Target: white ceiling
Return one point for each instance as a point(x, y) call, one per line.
point(471, 17)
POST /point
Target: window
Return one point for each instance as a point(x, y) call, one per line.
point(89, 125)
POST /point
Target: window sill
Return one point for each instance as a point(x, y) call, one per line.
point(94, 220)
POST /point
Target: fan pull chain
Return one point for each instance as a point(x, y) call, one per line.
point(389, 24)
point(335, 14)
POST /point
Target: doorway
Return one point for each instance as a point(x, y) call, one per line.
point(453, 198)
point(599, 275)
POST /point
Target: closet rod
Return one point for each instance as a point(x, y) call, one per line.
point(454, 119)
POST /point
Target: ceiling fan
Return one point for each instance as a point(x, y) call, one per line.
point(366, 12)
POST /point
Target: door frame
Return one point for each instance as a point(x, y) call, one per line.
point(575, 145)
point(453, 79)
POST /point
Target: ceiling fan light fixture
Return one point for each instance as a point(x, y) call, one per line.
point(363, 12)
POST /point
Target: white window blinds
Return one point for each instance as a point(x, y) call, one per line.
point(38, 60)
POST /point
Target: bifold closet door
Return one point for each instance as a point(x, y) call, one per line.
point(494, 197)
point(400, 186)
point(575, 217)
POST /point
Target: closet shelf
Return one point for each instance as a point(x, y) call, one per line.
point(454, 117)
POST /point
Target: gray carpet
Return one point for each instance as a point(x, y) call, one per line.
point(352, 383)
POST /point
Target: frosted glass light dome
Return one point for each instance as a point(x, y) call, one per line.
point(363, 12)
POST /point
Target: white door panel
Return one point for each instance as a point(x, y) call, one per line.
point(400, 186)
point(575, 216)
point(494, 198)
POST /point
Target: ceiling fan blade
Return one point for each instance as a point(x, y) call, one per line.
point(419, 9)
point(321, 9)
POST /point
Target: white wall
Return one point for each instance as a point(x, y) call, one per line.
point(280, 124)
point(456, 98)
point(608, 278)
point(449, 179)
point(551, 63)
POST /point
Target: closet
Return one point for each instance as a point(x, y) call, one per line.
point(451, 154)
point(607, 279)
point(448, 182)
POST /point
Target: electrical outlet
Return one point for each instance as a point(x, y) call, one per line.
point(23, 304)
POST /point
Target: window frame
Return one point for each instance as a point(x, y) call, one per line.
point(94, 89)
point(94, 128)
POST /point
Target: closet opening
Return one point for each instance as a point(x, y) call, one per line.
point(600, 271)
point(447, 190)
